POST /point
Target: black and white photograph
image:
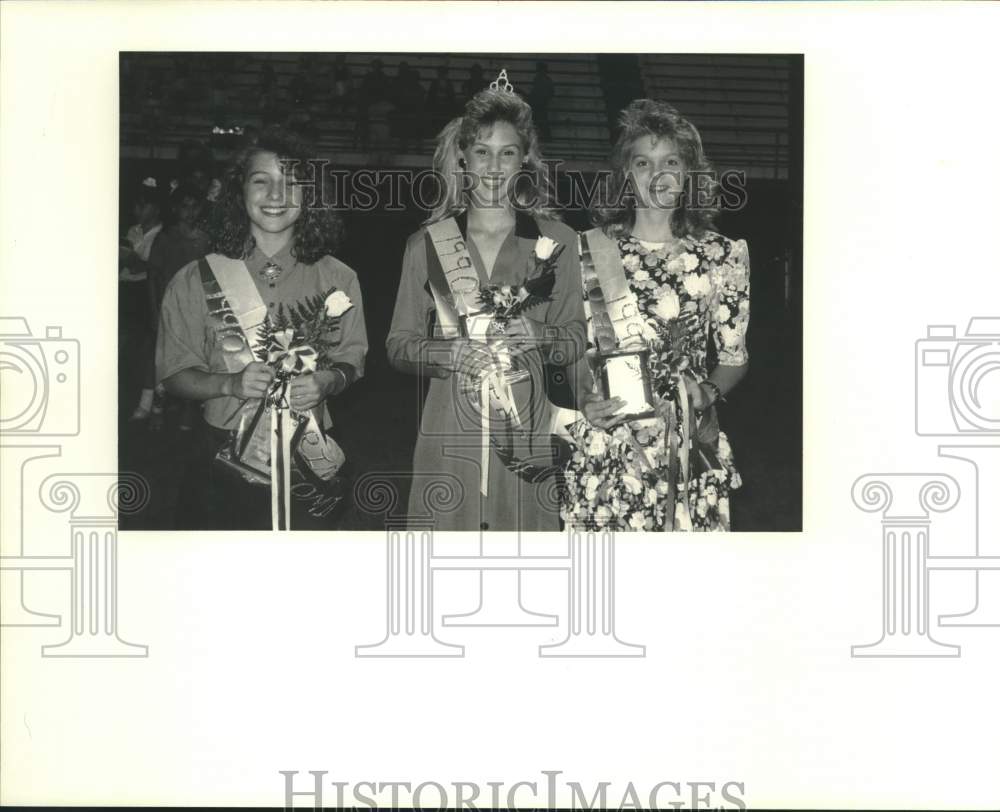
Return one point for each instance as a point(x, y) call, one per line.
point(564, 289)
point(523, 404)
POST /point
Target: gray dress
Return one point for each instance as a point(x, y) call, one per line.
point(445, 490)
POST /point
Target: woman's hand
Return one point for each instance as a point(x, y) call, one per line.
point(309, 390)
point(602, 413)
point(252, 382)
point(470, 358)
point(524, 334)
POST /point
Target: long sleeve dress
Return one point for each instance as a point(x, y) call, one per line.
point(629, 478)
point(521, 492)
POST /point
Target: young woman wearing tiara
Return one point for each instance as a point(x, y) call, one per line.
point(689, 294)
point(491, 240)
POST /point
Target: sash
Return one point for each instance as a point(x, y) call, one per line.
point(454, 284)
point(453, 280)
point(233, 298)
point(614, 309)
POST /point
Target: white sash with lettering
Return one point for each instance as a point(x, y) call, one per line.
point(617, 308)
point(619, 301)
point(244, 300)
point(459, 275)
point(463, 284)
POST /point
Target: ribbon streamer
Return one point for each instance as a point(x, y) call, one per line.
point(282, 428)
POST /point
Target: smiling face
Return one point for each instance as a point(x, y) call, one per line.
point(493, 159)
point(657, 170)
point(273, 199)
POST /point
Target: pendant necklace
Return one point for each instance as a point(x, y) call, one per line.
point(271, 272)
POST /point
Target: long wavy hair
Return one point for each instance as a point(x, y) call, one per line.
point(318, 230)
point(532, 190)
point(616, 212)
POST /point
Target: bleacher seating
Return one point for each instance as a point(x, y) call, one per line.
point(740, 104)
point(226, 90)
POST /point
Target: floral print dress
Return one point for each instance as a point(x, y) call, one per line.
point(629, 478)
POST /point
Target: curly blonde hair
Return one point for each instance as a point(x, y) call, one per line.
point(532, 190)
point(616, 213)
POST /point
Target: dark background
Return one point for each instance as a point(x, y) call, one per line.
point(748, 109)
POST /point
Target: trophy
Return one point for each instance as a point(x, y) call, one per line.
point(620, 361)
point(624, 373)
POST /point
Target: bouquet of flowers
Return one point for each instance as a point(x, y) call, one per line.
point(270, 436)
point(675, 336)
point(296, 340)
point(504, 303)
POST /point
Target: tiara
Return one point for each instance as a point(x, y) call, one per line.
point(500, 84)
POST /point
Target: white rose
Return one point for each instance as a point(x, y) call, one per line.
point(690, 261)
point(338, 303)
point(637, 521)
point(667, 306)
point(722, 314)
point(641, 275)
point(544, 246)
point(631, 262)
point(634, 485)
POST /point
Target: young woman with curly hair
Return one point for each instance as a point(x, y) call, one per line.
point(493, 224)
point(271, 220)
point(672, 470)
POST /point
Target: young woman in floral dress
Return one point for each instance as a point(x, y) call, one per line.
point(672, 471)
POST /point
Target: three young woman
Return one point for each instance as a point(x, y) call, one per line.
point(485, 432)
